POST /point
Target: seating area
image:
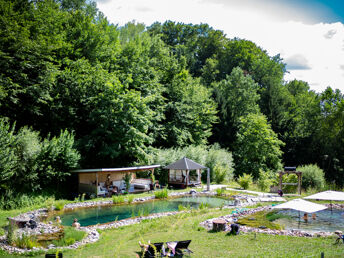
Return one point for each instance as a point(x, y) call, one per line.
point(172, 249)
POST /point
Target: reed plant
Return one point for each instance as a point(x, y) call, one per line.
point(26, 241)
point(70, 236)
point(118, 199)
point(130, 198)
point(162, 194)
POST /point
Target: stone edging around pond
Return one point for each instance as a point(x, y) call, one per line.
point(208, 225)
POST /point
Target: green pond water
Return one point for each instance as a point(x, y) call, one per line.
point(326, 220)
point(104, 214)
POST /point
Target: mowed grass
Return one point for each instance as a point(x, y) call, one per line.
point(123, 242)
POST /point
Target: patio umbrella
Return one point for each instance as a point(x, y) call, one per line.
point(301, 205)
point(327, 195)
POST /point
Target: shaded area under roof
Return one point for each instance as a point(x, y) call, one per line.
point(185, 164)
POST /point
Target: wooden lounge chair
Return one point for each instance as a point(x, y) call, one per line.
point(182, 246)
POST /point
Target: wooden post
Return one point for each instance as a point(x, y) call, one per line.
point(187, 177)
point(208, 179)
point(97, 184)
point(280, 180)
point(299, 183)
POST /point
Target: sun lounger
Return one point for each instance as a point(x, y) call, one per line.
point(178, 247)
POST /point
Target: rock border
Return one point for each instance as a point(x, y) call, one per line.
point(231, 218)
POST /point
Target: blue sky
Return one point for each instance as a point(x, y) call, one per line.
point(308, 34)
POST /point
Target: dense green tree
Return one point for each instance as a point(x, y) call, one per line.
point(8, 157)
point(190, 112)
point(330, 137)
point(110, 122)
point(299, 123)
point(195, 42)
point(56, 159)
point(237, 96)
point(257, 147)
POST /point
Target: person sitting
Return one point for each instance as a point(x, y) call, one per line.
point(107, 182)
point(305, 217)
point(280, 193)
point(314, 216)
point(76, 224)
point(58, 219)
point(340, 236)
point(235, 229)
point(114, 190)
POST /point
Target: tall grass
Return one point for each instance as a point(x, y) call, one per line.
point(26, 241)
point(70, 236)
point(118, 199)
point(162, 194)
point(130, 199)
point(10, 200)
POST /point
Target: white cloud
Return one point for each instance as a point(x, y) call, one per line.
point(318, 47)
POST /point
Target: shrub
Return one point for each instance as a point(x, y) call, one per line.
point(245, 180)
point(312, 177)
point(127, 179)
point(11, 233)
point(208, 156)
point(118, 199)
point(264, 182)
point(219, 191)
point(162, 194)
point(11, 200)
point(50, 203)
point(59, 205)
point(291, 178)
point(219, 173)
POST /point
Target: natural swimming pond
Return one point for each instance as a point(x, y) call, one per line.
point(325, 221)
point(104, 214)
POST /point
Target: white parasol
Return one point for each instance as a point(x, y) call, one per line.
point(301, 205)
point(327, 195)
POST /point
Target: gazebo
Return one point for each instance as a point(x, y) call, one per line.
point(184, 172)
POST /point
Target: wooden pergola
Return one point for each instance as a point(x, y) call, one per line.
point(290, 170)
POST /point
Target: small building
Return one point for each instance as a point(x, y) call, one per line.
point(93, 180)
point(184, 172)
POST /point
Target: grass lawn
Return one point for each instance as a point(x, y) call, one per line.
point(123, 242)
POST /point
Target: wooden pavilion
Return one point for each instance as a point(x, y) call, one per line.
point(89, 180)
point(184, 172)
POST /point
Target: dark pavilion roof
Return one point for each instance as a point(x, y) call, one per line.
point(185, 164)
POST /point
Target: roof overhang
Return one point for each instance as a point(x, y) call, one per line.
point(127, 169)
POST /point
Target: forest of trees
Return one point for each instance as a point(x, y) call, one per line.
point(101, 95)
